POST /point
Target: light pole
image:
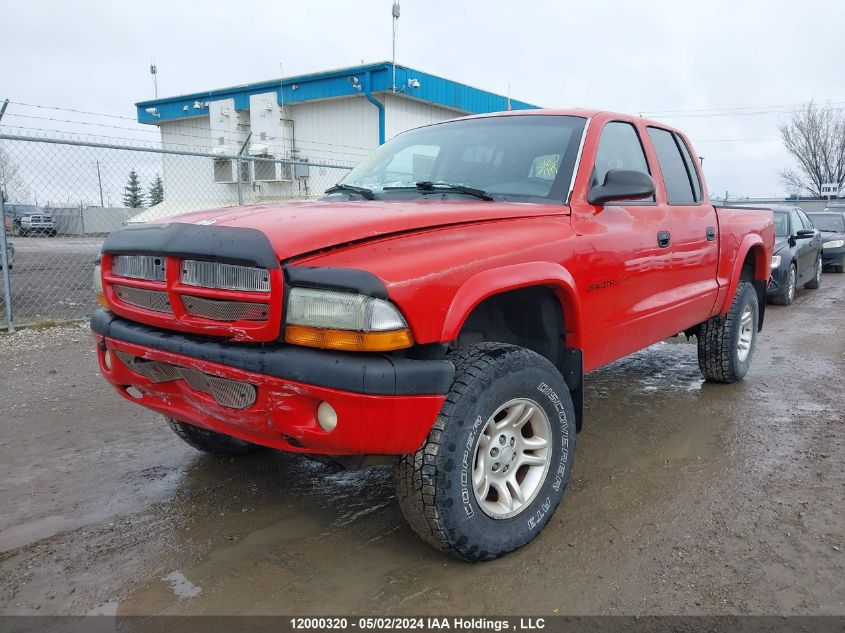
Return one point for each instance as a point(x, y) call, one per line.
point(154, 73)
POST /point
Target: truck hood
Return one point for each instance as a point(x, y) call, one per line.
point(304, 227)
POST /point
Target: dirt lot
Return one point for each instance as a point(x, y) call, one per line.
point(686, 498)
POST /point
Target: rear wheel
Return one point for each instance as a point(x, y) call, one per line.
point(496, 463)
point(211, 441)
point(816, 281)
point(726, 344)
point(788, 295)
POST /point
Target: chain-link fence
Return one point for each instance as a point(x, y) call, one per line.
point(63, 197)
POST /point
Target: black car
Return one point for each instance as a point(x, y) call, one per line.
point(831, 223)
point(797, 258)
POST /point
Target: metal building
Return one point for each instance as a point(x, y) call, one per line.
point(332, 117)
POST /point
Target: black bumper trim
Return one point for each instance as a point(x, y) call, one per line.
point(371, 374)
point(234, 245)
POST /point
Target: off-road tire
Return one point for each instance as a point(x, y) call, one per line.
point(718, 339)
point(816, 281)
point(434, 484)
point(786, 298)
point(211, 441)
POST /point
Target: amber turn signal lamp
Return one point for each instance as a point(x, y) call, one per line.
point(348, 340)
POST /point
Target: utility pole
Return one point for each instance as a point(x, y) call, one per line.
point(395, 24)
point(100, 183)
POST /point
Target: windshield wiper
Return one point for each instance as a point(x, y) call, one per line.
point(426, 185)
point(361, 191)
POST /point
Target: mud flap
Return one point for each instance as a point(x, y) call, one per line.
point(573, 375)
point(760, 288)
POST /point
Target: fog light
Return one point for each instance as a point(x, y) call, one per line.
point(326, 416)
point(107, 359)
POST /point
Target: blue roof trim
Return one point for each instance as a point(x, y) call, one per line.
point(333, 84)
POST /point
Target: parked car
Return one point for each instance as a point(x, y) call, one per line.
point(831, 223)
point(797, 260)
point(10, 254)
point(438, 309)
point(29, 219)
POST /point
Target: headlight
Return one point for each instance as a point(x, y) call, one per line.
point(834, 244)
point(775, 261)
point(344, 320)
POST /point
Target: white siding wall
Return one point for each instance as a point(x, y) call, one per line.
point(188, 180)
point(403, 114)
point(337, 130)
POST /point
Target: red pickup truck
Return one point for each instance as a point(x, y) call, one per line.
point(438, 309)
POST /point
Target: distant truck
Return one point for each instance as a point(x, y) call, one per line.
point(29, 219)
point(438, 309)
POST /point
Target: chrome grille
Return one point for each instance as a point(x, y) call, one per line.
point(218, 310)
point(225, 276)
point(139, 266)
point(149, 299)
point(228, 393)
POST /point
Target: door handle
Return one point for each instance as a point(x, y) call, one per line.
point(711, 233)
point(663, 239)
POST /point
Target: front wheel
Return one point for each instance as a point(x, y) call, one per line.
point(788, 295)
point(211, 441)
point(496, 463)
point(726, 344)
point(816, 281)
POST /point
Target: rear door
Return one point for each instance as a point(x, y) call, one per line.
point(694, 235)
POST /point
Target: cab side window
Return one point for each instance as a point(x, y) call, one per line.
point(675, 167)
point(619, 148)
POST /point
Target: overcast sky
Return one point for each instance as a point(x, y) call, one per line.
point(644, 56)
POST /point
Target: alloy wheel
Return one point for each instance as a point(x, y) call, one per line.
point(512, 458)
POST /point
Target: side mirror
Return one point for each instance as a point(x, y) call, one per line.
point(804, 234)
point(622, 184)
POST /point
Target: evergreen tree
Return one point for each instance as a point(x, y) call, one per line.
point(133, 194)
point(156, 191)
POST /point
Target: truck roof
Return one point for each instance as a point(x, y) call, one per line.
point(588, 113)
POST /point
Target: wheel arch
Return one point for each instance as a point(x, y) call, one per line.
point(547, 285)
point(752, 264)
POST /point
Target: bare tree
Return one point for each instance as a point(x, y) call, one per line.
point(11, 180)
point(815, 137)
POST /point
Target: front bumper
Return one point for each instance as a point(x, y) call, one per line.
point(384, 405)
point(833, 256)
point(777, 282)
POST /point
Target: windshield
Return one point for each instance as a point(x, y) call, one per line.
point(523, 157)
point(828, 222)
point(781, 223)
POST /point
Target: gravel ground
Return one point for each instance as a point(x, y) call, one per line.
point(686, 498)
